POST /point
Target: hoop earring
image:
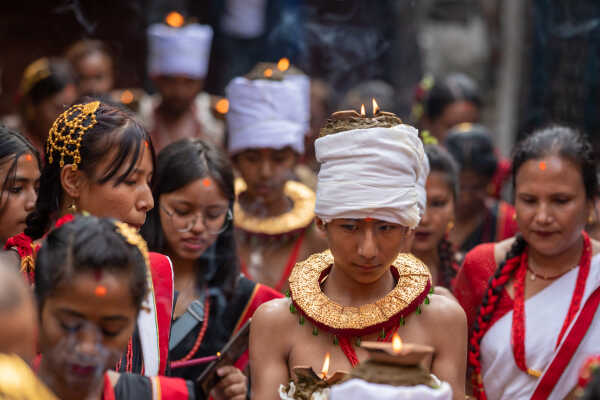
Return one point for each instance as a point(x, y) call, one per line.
point(591, 219)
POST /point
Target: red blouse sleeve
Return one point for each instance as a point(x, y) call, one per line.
point(472, 279)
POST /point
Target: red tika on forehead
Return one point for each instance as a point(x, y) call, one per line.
point(100, 291)
point(542, 165)
point(207, 182)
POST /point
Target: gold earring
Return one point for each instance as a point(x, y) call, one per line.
point(591, 219)
point(72, 208)
point(514, 217)
point(450, 226)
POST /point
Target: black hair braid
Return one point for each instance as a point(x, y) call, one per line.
point(490, 301)
point(446, 266)
point(38, 221)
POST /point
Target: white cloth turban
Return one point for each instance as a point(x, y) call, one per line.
point(375, 173)
point(265, 113)
point(179, 51)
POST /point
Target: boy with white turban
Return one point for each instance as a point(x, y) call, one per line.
point(267, 120)
point(370, 197)
point(178, 63)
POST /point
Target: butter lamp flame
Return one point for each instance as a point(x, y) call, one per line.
point(375, 107)
point(396, 343)
point(268, 73)
point(362, 110)
point(127, 97)
point(325, 368)
point(174, 19)
point(222, 106)
point(283, 64)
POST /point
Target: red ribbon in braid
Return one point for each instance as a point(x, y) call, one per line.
point(483, 322)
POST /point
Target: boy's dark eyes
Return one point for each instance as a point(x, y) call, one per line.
point(73, 327)
point(110, 333)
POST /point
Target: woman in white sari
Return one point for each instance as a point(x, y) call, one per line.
point(531, 299)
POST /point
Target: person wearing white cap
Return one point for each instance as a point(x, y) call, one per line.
point(267, 120)
point(370, 198)
point(177, 63)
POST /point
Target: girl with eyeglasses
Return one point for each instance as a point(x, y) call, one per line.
point(192, 224)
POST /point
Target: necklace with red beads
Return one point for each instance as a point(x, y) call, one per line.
point(518, 317)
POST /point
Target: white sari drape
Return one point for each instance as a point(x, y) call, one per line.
point(544, 315)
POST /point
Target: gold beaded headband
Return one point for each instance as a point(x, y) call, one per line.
point(67, 132)
point(132, 237)
point(34, 73)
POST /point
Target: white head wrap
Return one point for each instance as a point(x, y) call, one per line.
point(375, 173)
point(266, 113)
point(179, 51)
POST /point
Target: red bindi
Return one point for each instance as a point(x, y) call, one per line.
point(368, 219)
point(146, 144)
point(542, 165)
point(28, 157)
point(206, 182)
point(100, 291)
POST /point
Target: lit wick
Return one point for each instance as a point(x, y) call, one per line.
point(325, 368)
point(174, 19)
point(363, 114)
point(396, 343)
point(283, 64)
point(375, 107)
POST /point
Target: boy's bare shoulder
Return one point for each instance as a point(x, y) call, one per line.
point(443, 310)
point(273, 313)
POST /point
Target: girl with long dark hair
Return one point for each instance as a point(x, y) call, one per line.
point(91, 283)
point(192, 224)
point(100, 160)
point(479, 218)
point(19, 179)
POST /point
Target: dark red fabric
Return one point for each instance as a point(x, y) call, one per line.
point(261, 295)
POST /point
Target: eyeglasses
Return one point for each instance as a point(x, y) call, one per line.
point(214, 224)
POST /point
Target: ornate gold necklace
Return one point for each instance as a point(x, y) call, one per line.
point(300, 216)
point(411, 290)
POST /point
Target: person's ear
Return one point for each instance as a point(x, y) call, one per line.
point(408, 242)
point(72, 181)
point(321, 225)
